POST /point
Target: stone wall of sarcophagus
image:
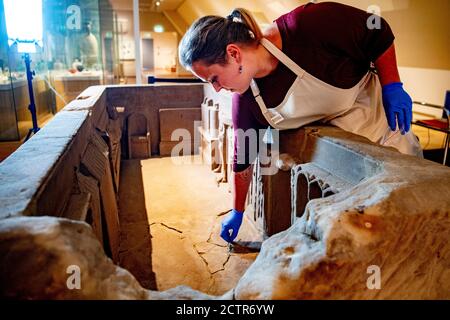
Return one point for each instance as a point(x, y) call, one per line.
point(159, 119)
point(70, 169)
point(59, 191)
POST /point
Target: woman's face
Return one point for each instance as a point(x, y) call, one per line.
point(225, 76)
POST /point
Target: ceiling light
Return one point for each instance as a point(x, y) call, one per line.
point(26, 35)
point(158, 28)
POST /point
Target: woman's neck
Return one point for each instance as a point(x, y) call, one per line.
point(266, 62)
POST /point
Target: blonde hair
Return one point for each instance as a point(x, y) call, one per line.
point(207, 38)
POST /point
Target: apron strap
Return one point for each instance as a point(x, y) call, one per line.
point(280, 55)
point(272, 116)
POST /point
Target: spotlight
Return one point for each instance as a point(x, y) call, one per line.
point(24, 28)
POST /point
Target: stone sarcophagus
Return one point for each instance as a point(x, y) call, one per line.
point(347, 219)
point(343, 218)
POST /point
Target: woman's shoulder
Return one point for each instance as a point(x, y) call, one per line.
point(272, 33)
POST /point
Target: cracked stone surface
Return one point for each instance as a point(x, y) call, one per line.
point(176, 211)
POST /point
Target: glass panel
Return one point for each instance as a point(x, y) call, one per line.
point(71, 38)
point(79, 50)
point(109, 43)
point(80, 47)
point(8, 122)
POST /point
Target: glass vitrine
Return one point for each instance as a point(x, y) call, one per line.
point(78, 49)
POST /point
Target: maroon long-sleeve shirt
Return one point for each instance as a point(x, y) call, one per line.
point(329, 40)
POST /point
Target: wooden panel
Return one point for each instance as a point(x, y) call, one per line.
point(14, 103)
point(114, 135)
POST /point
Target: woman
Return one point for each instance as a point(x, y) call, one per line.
point(312, 64)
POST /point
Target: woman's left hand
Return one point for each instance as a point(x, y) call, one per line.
point(397, 104)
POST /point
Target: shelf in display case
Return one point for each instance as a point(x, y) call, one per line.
point(77, 76)
point(5, 85)
point(14, 102)
point(70, 85)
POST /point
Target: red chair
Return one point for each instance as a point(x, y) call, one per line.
point(442, 125)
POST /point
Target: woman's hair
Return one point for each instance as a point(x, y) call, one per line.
point(207, 38)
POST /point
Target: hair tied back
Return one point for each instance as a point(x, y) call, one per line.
point(233, 18)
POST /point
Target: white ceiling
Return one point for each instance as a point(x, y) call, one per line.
point(124, 5)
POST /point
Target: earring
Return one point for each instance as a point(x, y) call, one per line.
point(240, 69)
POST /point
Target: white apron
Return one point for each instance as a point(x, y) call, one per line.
point(358, 110)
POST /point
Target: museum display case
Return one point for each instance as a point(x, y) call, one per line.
point(77, 51)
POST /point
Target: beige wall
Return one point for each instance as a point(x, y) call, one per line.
point(177, 21)
point(422, 34)
point(422, 43)
point(165, 44)
point(148, 20)
point(165, 49)
point(126, 35)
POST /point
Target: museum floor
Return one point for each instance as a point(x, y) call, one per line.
point(170, 217)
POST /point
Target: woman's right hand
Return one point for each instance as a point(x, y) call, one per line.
point(231, 225)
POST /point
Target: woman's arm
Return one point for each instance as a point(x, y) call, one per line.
point(241, 182)
point(396, 101)
point(243, 120)
point(386, 66)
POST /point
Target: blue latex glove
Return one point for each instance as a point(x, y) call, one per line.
point(397, 103)
point(232, 222)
